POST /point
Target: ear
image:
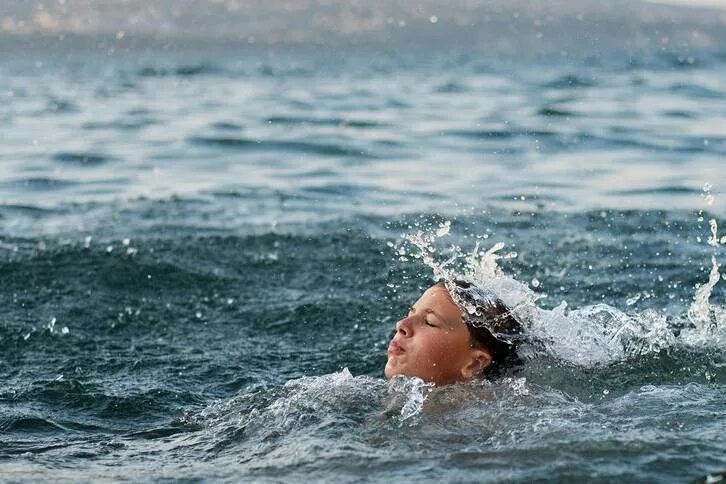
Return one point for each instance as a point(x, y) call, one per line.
point(479, 360)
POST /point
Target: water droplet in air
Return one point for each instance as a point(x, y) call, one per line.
point(632, 300)
point(535, 282)
point(713, 239)
point(443, 229)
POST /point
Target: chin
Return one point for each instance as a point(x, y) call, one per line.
point(390, 371)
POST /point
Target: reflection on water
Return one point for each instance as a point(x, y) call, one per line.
point(560, 136)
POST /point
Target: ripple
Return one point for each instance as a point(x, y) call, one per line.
point(302, 120)
point(30, 425)
point(280, 145)
point(680, 114)
point(17, 209)
point(667, 190)
point(184, 70)
point(451, 88)
point(552, 112)
point(684, 145)
point(82, 159)
point(696, 91)
point(61, 106)
point(121, 125)
point(226, 126)
point(500, 133)
point(569, 81)
point(274, 71)
point(40, 183)
point(680, 61)
point(339, 189)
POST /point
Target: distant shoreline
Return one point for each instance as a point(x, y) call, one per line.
point(512, 26)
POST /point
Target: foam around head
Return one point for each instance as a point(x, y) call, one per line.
point(482, 308)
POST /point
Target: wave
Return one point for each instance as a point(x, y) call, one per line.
point(120, 124)
point(330, 121)
point(96, 403)
point(500, 133)
point(61, 106)
point(307, 147)
point(183, 70)
point(667, 190)
point(451, 88)
point(40, 183)
point(552, 112)
point(226, 126)
point(82, 159)
point(692, 90)
point(569, 81)
point(680, 114)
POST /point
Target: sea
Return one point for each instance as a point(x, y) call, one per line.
point(203, 254)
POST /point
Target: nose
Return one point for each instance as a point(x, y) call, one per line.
point(404, 327)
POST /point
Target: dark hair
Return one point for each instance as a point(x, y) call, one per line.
point(491, 324)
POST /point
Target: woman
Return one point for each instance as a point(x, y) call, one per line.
point(456, 331)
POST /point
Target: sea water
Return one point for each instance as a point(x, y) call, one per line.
point(203, 255)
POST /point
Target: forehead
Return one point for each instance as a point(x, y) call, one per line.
point(437, 298)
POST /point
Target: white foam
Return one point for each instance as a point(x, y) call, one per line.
point(591, 335)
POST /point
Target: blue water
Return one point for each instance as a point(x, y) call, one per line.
point(201, 262)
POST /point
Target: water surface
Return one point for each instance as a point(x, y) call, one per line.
point(201, 262)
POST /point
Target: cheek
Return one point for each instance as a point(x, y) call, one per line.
point(450, 349)
point(441, 349)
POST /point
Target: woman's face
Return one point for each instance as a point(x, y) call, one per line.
point(433, 343)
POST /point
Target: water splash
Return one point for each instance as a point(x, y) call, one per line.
point(479, 267)
point(299, 404)
point(592, 335)
point(601, 334)
point(408, 393)
point(709, 321)
point(424, 243)
point(713, 239)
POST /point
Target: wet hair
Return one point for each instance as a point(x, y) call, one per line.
point(491, 324)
